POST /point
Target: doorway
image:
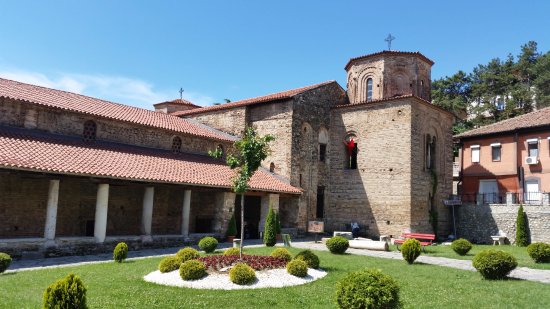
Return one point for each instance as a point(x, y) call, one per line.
point(532, 192)
point(252, 209)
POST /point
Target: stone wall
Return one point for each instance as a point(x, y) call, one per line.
point(57, 121)
point(231, 120)
point(478, 223)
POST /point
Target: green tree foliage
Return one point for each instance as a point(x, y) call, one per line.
point(231, 227)
point(522, 235)
point(250, 151)
point(270, 237)
point(277, 223)
point(68, 292)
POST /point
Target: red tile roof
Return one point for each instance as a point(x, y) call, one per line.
point(41, 152)
point(178, 102)
point(389, 52)
point(534, 119)
point(284, 95)
point(92, 106)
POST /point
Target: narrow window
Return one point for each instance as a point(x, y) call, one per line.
point(176, 144)
point(89, 132)
point(428, 152)
point(422, 89)
point(369, 89)
point(351, 152)
point(475, 153)
point(272, 167)
point(496, 152)
point(533, 147)
point(320, 202)
point(322, 152)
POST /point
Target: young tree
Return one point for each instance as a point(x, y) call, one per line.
point(250, 151)
point(270, 228)
point(522, 234)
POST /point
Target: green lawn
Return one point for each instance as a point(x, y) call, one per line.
point(520, 253)
point(114, 285)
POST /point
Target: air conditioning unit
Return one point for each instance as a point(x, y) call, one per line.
point(531, 160)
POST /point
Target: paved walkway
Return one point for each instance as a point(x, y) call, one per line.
point(523, 273)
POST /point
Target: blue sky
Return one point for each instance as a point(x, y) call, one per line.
point(142, 52)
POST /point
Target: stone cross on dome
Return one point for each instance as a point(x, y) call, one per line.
point(181, 93)
point(389, 39)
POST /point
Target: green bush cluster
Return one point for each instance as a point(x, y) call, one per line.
point(337, 244)
point(539, 252)
point(169, 263)
point(270, 228)
point(187, 254)
point(121, 252)
point(208, 244)
point(68, 292)
point(282, 253)
point(5, 261)
point(368, 288)
point(522, 235)
point(297, 268)
point(192, 270)
point(494, 264)
point(461, 246)
point(309, 257)
point(232, 251)
point(411, 250)
point(242, 274)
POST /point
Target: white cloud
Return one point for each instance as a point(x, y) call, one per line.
point(118, 89)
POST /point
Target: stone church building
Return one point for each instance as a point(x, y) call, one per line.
point(78, 174)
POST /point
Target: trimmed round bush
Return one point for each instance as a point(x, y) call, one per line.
point(494, 264)
point(297, 268)
point(281, 253)
point(410, 250)
point(208, 244)
point(121, 252)
point(369, 288)
point(68, 292)
point(337, 244)
point(538, 251)
point(5, 261)
point(169, 263)
point(192, 270)
point(461, 246)
point(242, 274)
point(187, 254)
point(309, 257)
point(232, 251)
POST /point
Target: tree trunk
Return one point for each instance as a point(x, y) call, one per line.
point(242, 227)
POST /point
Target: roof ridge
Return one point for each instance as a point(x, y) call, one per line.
point(418, 53)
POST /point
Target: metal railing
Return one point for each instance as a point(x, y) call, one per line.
point(532, 198)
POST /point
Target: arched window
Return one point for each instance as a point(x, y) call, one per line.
point(272, 167)
point(422, 89)
point(430, 152)
point(221, 151)
point(89, 132)
point(323, 141)
point(369, 89)
point(176, 144)
point(350, 142)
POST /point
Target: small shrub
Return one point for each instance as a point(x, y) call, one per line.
point(369, 288)
point(539, 252)
point(494, 264)
point(231, 227)
point(121, 252)
point(297, 268)
point(187, 254)
point(242, 274)
point(208, 244)
point(411, 250)
point(309, 257)
point(232, 251)
point(5, 261)
point(522, 235)
point(169, 263)
point(192, 270)
point(461, 246)
point(281, 253)
point(337, 244)
point(270, 228)
point(68, 292)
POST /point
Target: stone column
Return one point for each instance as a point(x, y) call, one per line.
point(147, 214)
point(101, 208)
point(545, 199)
point(267, 200)
point(509, 198)
point(51, 211)
point(225, 205)
point(185, 213)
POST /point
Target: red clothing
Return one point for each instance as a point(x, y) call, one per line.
point(350, 146)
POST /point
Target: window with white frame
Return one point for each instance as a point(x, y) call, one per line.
point(496, 151)
point(533, 147)
point(475, 153)
point(500, 104)
point(369, 89)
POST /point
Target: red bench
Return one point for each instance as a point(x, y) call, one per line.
point(424, 239)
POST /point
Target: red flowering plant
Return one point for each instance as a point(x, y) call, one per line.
point(257, 262)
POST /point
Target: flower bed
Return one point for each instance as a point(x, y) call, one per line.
point(257, 262)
